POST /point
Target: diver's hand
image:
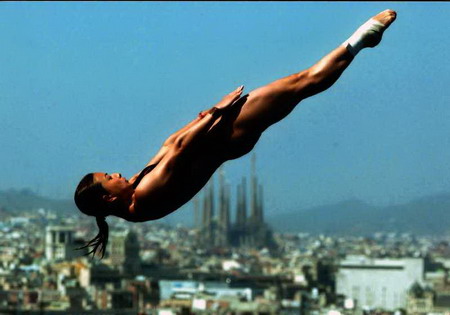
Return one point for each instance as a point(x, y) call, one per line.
point(229, 99)
point(224, 104)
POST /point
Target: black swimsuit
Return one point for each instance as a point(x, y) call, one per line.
point(141, 175)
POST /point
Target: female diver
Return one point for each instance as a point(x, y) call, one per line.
point(227, 131)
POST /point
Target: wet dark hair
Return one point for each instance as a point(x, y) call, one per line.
point(89, 199)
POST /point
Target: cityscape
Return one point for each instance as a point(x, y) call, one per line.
point(230, 262)
point(345, 213)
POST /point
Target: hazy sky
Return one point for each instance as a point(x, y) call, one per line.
point(98, 87)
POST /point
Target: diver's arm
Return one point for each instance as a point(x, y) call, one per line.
point(207, 120)
point(192, 135)
point(159, 156)
point(168, 143)
point(170, 140)
point(225, 102)
point(199, 126)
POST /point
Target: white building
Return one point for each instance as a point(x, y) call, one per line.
point(186, 289)
point(378, 283)
point(59, 243)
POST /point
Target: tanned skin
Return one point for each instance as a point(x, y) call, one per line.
point(229, 130)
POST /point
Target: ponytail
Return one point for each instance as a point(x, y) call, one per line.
point(101, 240)
point(89, 199)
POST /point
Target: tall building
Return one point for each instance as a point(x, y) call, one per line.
point(197, 223)
point(241, 207)
point(254, 200)
point(123, 252)
point(246, 231)
point(224, 211)
point(378, 283)
point(208, 222)
point(59, 243)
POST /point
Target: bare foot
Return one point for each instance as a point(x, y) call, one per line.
point(375, 33)
point(386, 17)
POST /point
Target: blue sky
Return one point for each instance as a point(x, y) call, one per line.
point(98, 87)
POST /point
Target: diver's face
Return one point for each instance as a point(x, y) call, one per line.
point(115, 184)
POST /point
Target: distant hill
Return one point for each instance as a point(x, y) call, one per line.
point(424, 216)
point(16, 201)
point(429, 215)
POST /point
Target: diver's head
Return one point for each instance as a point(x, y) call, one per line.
point(89, 197)
point(100, 195)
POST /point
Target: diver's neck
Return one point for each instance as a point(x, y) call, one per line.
point(126, 208)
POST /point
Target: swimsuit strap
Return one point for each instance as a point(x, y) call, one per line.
point(141, 175)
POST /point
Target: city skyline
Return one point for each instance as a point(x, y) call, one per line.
point(155, 268)
point(221, 226)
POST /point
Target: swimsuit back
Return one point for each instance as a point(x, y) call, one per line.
point(141, 175)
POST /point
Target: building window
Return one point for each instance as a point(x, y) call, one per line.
point(355, 292)
point(62, 237)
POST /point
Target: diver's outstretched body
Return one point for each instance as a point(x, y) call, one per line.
point(229, 130)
